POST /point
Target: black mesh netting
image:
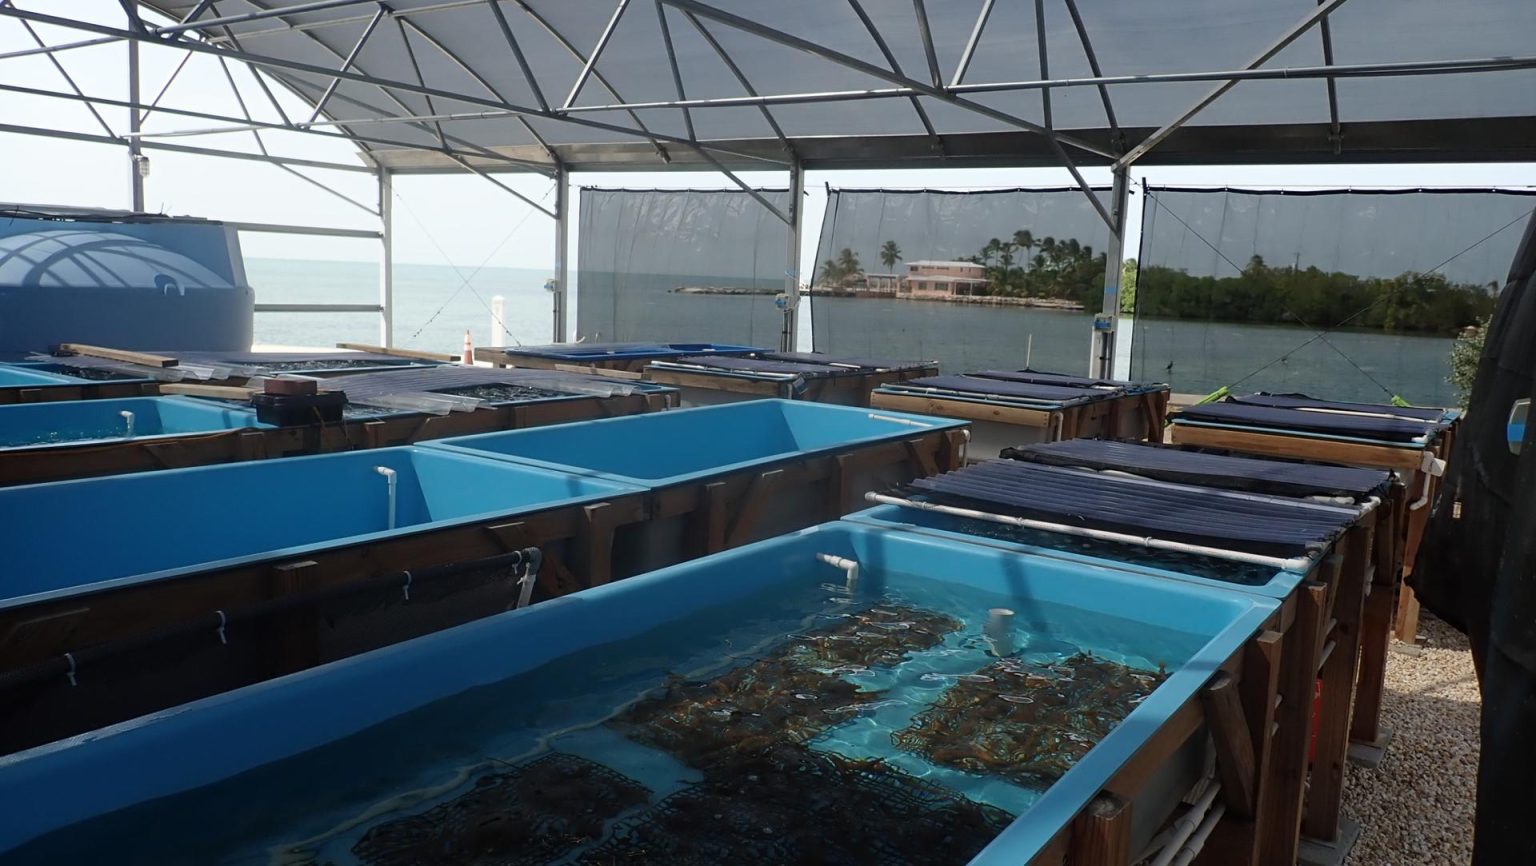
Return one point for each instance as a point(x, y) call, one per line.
point(973, 279)
point(685, 265)
point(1346, 294)
point(1027, 723)
point(529, 814)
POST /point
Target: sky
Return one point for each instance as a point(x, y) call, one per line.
point(439, 219)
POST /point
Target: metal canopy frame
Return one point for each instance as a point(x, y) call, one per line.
point(443, 138)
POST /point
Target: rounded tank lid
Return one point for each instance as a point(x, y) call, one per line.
point(87, 256)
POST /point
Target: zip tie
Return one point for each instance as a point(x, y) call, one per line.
point(223, 621)
point(405, 590)
point(70, 657)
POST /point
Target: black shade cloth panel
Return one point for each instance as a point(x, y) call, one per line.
point(1307, 421)
point(1184, 466)
point(1194, 515)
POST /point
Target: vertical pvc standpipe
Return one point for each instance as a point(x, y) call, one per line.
point(389, 483)
point(127, 423)
point(498, 317)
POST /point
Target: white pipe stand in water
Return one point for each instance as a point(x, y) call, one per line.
point(127, 423)
point(849, 567)
point(389, 481)
point(999, 631)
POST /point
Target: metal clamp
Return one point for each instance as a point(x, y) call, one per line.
point(70, 657)
point(223, 623)
point(533, 559)
point(405, 588)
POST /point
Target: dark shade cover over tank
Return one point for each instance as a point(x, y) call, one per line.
point(130, 281)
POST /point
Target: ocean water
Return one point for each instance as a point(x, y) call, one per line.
point(434, 305)
point(775, 709)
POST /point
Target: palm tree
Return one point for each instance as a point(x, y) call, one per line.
point(1025, 240)
point(831, 274)
point(848, 263)
point(890, 254)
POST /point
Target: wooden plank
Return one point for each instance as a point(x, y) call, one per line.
point(922, 458)
point(594, 370)
point(1101, 833)
point(1326, 795)
point(709, 382)
point(597, 543)
point(1307, 448)
point(218, 392)
point(1280, 801)
point(1235, 762)
point(143, 358)
point(414, 354)
point(1375, 630)
point(751, 507)
point(963, 410)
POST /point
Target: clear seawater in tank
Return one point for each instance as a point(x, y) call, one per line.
point(757, 731)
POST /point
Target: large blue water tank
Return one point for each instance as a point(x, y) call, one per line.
point(131, 281)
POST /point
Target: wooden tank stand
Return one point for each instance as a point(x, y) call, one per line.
point(1410, 464)
point(95, 390)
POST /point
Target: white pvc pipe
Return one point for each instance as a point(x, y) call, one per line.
point(999, 631)
point(127, 423)
point(498, 319)
point(1299, 563)
point(910, 422)
point(850, 568)
point(1192, 848)
point(389, 481)
point(1186, 826)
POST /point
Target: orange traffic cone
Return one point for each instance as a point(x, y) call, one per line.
point(467, 354)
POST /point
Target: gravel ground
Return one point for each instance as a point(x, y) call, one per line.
point(1417, 807)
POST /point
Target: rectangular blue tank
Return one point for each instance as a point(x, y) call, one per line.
point(37, 425)
point(669, 448)
point(1205, 571)
point(17, 376)
point(267, 509)
point(360, 749)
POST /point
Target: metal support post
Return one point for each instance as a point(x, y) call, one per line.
point(386, 258)
point(1107, 322)
point(787, 339)
point(562, 249)
point(137, 164)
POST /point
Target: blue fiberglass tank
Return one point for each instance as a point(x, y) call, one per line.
point(410, 745)
point(35, 425)
point(130, 281)
point(265, 509)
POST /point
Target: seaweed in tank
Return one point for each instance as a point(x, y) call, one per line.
point(750, 708)
point(878, 636)
point(1027, 723)
point(791, 696)
point(532, 813)
point(788, 805)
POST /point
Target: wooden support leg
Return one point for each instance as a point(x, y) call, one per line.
point(597, 543)
point(1407, 603)
point(758, 492)
point(714, 517)
point(1234, 841)
point(298, 647)
point(1101, 834)
point(1280, 802)
point(1326, 795)
point(1375, 633)
point(1235, 761)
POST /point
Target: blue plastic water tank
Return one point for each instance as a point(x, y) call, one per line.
point(131, 281)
